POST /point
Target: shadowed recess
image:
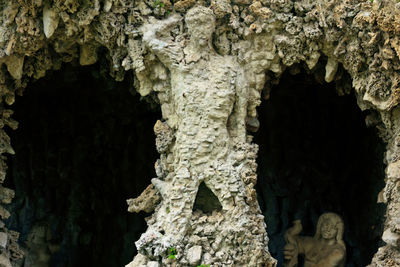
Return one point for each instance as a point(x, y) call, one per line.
point(85, 145)
point(206, 200)
point(316, 155)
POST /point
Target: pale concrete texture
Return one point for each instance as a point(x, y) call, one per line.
point(207, 66)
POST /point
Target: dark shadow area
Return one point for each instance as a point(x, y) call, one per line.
point(85, 144)
point(206, 200)
point(316, 155)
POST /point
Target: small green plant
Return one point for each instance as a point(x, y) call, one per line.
point(160, 8)
point(158, 3)
point(204, 265)
point(172, 253)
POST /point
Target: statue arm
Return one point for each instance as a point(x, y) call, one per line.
point(154, 37)
point(304, 244)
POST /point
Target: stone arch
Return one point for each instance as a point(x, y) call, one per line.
point(314, 146)
point(262, 36)
point(84, 145)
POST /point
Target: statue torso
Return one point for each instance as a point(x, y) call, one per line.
point(204, 95)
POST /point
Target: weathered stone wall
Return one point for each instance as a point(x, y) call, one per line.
point(204, 134)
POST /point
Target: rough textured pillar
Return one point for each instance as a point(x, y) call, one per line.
point(203, 140)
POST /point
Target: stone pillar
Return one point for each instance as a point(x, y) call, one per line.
point(203, 140)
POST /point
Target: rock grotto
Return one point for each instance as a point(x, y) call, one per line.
point(194, 133)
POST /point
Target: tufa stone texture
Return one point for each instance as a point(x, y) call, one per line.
point(207, 97)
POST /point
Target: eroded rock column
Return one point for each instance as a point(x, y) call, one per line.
point(203, 140)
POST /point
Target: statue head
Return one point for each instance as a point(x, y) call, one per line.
point(37, 235)
point(201, 25)
point(330, 227)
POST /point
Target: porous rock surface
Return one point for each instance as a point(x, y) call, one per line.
point(206, 108)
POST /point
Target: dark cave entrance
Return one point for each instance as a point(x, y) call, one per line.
point(206, 200)
point(316, 155)
point(84, 145)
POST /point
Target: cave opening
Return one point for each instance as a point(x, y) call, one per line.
point(316, 155)
point(206, 201)
point(84, 145)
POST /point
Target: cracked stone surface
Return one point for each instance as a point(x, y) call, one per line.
point(208, 98)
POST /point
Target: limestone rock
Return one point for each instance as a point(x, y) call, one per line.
point(6, 195)
point(13, 247)
point(164, 136)
point(107, 5)
point(4, 261)
point(5, 146)
point(146, 201)
point(4, 214)
point(330, 70)
point(261, 11)
point(194, 255)
point(139, 260)
point(50, 21)
point(88, 55)
point(14, 66)
point(206, 97)
point(183, 5)
point(153, 264)
point(3, 240)
point(390, 238)
point(221, 8)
